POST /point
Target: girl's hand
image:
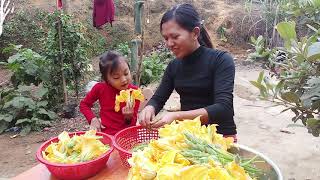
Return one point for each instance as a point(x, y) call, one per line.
point(166, 119)
point(96, 124)
point(146, 116)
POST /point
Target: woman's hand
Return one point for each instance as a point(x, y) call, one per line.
point(95, 124)
point(146, 116)
point(166, 119)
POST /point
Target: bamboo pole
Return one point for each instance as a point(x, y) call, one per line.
point(139, 29)
point(65, 93)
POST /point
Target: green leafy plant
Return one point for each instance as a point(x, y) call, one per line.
point(303, 12)
point(298, 86)
point(153, 68)
point(261, 51)
point(28, 67)
point(27, 28)
point(74, 54)
point(222, 33)
point(25, 107)
point(124, 49)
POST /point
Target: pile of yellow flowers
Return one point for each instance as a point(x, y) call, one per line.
point(77, 149)
point(186, 150)
point(128, 96)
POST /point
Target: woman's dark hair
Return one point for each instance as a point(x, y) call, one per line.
point(109, 63)
point(188, 18)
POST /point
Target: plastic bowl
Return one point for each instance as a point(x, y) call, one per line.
point(77, 171)
point(127, 138)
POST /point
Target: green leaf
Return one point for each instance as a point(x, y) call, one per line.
point(290, 97)
point(6, 117)
point(261, 76)
point(41, 92)
point(42, 103)
point(253, 40)
point(41, 122)
point(314, 126)
point(3, 126)
point(314, 52)
point(23, 88)
point(306, 103)
point(50, 114)
point(312, 91)
point(287, 32)
point(263, 89)
point(20, 102)
point(42, 111)
point(21, 121)
point(315, 105)
point(278, 88)
point(268, 85)
point(3, 63)
point(25, 130)
point(13, 59)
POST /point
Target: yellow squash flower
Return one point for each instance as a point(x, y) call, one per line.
point(163, 159)
point(128, 96)
point(76, 149)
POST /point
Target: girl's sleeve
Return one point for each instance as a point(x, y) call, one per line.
point(87, 103)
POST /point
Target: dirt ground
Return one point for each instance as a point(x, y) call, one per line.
point(259, 126)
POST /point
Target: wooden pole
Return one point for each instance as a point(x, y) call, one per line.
point(65, 93)
point(139, 29)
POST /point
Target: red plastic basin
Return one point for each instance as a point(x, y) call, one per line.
point(77, 171)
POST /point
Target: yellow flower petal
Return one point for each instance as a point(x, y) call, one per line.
point(137, 94)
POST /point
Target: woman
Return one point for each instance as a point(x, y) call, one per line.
point(202, 76)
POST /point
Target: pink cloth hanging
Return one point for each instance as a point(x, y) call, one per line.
point(103, 12)
point(59, 4)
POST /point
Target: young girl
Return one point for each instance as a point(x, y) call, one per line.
point(116, 75)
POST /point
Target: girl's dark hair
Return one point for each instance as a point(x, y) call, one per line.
point(188, 18)
point(109, 63)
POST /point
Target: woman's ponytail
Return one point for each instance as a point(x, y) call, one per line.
point(204, 38)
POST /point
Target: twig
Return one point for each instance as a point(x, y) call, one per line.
point(274, 25)
point(4, 11)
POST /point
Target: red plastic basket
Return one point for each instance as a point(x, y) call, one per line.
point(127, 138)
point(80, 170)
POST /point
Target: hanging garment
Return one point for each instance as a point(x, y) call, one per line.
point(59, 4)
point(103, 12)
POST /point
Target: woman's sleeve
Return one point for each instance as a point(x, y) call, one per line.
point(223, 84)
point(164, 90)
point(87, 103)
